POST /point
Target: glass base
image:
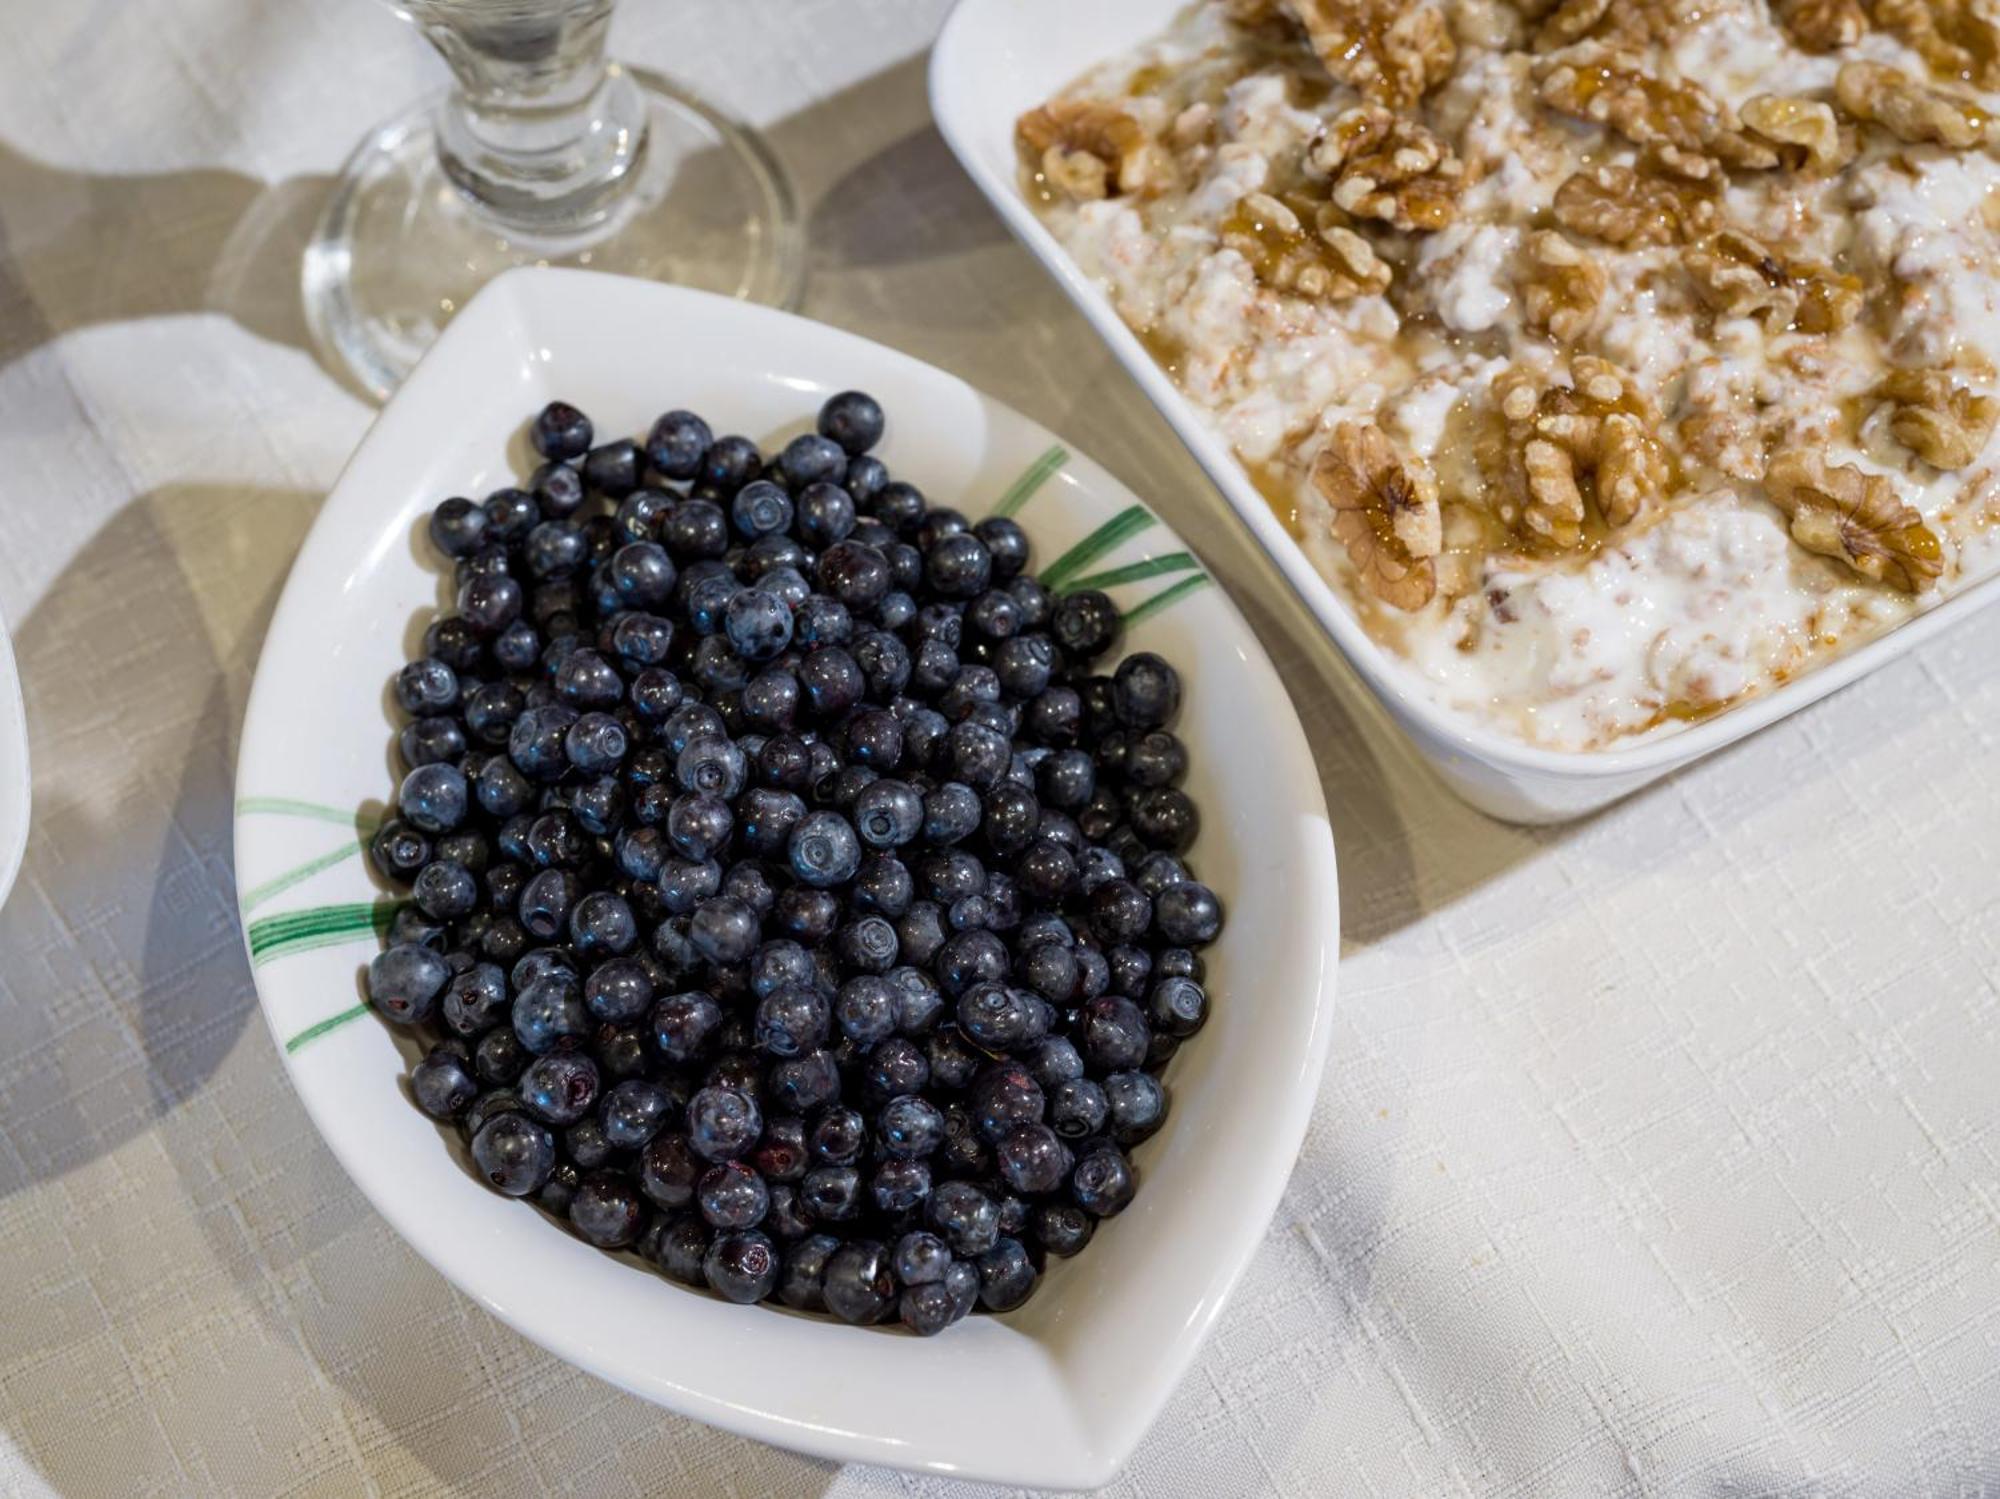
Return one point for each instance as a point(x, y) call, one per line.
point(399, 249)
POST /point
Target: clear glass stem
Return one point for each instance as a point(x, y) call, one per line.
point(538, 131)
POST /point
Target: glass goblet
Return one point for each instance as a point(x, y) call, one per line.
point(541, 152)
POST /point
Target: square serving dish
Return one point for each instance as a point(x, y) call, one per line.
point(996, 59)
point(1056, 1393)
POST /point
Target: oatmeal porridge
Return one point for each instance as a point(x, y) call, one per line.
point(1618, 359)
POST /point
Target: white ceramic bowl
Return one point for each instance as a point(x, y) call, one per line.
point(998, 58)
point(15, 781)
point(1056, 1394)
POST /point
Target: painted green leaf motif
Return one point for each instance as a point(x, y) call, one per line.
point(331, 1023)
point(1113, 534)
point(1038, 473)
point(318, 926)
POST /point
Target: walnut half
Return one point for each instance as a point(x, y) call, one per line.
point(1823, 25)
point(1804, 132)
point(1944, 423)
point(1627, 206)
point(1386, 517)
point(1612, 88)
point(1878, 94)
point(1392, 51)
point(1561, 287)
point(1089, 149)
point(1328, 262)
point(1958, 38)
point(1562, 446)
point(1386, 167)
point(1839, 511)
point(1738, 276)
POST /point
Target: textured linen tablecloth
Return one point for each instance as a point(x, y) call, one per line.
point(1656, 1155)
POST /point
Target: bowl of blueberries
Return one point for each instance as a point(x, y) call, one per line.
point(785, 883)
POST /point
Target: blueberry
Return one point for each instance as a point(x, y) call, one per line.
point(557, 488)
point(811, 459)
point(883, 887)
point(1138, 1105)
point(434, 798)
point(489, 604)
point(404, 982)
point(1078, 1108)
point(633, 1112)
point(613, 468)
point(1114, 1034)
point(560, 1087)
point(965, 1217)
point(803, 1283)
point(760, 508)
point(669, 1169)
point(853, 420)
point(927, 1309)
point(1062, 1228)
point(1101, 1182)
point(909, 1128)
point(607, 1210)
point(445, 891)
point(952, 813)
point(837, 1136)
point(545, 903)
point(920, 1258)
point(859, 1285)
point(684, 1250)
point(1085, 624)
point(895, 1067)
point(866, 478)
point(399, 851)
point(804, 1083)
point(698, 824)
point(791, 1020)
point(825, 515)
point(824, 850)
point(536, 743)
point(642, 639)
point(548, 1012)
point(514, 1153)
point(458, 527)
point(742, 1266)
point(832, 1194)
point(677, 444)
point(900, 1187)
point(560, 431)
point(1164, 817)
point(1177, 1006)
point(517, 647)
point(443, 1084)
point(559, 1191)
point(596, 743)
point(427, 686)
point(831, 681)
point(643, 574)
point(499, 1058)
point(1004, 1097)
point(1187, 914)
point(1007, 1276)
point(476, 1000)
point(1120, 911)
point(731, 1195)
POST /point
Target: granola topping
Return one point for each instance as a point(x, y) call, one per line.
point(1618, 359)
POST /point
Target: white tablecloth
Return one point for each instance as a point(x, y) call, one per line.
point(1658, 1155)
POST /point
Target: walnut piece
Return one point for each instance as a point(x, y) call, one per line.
point(1804, 132)
point(1737, 276)
point(1854, 517)
point(1911, 111)
point(1628, 206)
point(1612, 88)
point(1561, 287)
point(1091, 149)
point(1386, 517)
point(1392, 51)
point(1960, 39)
point(1327, 263)
point(1570, 21)
point(1563, 446)
point(1823, 25)
point(1943, 423)
point(1384, 166)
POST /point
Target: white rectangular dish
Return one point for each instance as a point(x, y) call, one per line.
point(996, 59)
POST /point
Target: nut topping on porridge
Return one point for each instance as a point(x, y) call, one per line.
point(1911, 111)
point(1609, 87)
point(1626, 206)
point(1944, 423)
point(1736, 276)
point(1388, 167)
point(1391, 51)
point(1839, 511)
point(1823, 25)
point(1958, 38)
point(1327, 263)
point(1572, 338)
point(1561, 288)
point(1805, 133)
point(1094, 150)
point(1385, 515)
